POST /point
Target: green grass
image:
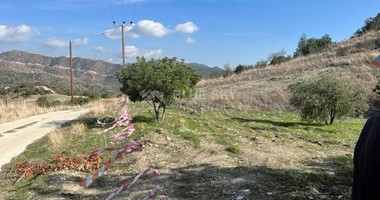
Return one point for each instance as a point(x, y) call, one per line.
point(225, 128)
point(192, 137)
point(233, 148)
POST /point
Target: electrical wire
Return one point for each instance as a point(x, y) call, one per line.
point(134, 10)
point(113, 19)
point(122, 10)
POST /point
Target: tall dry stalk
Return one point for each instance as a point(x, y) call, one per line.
point(55, 138)
point(98, 107)
point(78, 129)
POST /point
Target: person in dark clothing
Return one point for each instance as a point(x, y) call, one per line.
point(366, 183)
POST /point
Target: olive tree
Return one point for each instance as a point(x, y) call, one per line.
point(158, 81)
point(327, 97)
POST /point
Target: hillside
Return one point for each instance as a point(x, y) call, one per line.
point(90, 76)
point(18, 67)
point(207, 71)
point(266, 88)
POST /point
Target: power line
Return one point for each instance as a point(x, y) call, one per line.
point(113, 19)
point(134, 10)
point(122, 10)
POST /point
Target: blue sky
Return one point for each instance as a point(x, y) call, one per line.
point(211, 32)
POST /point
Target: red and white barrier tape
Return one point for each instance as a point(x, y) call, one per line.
point(101, 150)
point(130, 182)
point(124, 119)
point(121, 121)
point(131, 147)
point(129, 131)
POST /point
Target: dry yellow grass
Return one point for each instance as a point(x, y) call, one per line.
point(11, 110)
point(55, 137)
point(98, 107)
point(20, 108)
point(266, 88)
point(78, 129)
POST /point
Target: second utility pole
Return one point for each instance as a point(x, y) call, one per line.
point(122, 43)
point(71, 75)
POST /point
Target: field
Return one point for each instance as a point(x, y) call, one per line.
point(201, 154)
point(11, 110)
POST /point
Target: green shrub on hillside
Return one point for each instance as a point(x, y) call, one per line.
point(241, 68)
point(278, 57)
point(371, 24)
point(326, 97)
point(43, 101)
point(81, 100)
point(312, 45)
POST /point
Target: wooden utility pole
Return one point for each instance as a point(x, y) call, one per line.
point(71, 75)
point(122, 43)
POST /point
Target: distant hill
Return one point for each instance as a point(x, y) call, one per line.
point(207, 71)
point(90, 76)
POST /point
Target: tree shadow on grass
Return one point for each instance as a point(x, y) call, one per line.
point(90, 122)
point(143, 119)
point(276, 123)
point(207, 181)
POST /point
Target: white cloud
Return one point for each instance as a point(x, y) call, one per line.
point(56, 43)
point(147, 28)
point(190, 40)
point(153, 53)
point(80, 41)
point(100, 49)
point(113, 34)
point(133, 51)
point(16, 34)
point(150, 28)
point(188, 27)
point(130, 31)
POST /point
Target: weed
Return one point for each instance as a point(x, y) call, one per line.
point(190, 136)
point(78, 129)
point(233, 149)
point(43, 101)
point(56, 138)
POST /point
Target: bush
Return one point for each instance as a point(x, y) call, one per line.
point(312, 45)
point(228, 71)
point(371, 24)
point(241, 68)
point(81, 100)
point(261, 63)
point(46, 103)
point(326, 97)
point(278, 57)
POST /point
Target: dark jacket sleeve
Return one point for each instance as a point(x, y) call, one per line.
point(366, 177)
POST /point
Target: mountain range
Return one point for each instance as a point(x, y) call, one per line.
point(90, 76)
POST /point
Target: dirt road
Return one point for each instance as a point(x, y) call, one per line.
point(15, 136)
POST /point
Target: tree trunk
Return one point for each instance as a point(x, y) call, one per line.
point(163, 111)
point(332, 116)
point(156, 111)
